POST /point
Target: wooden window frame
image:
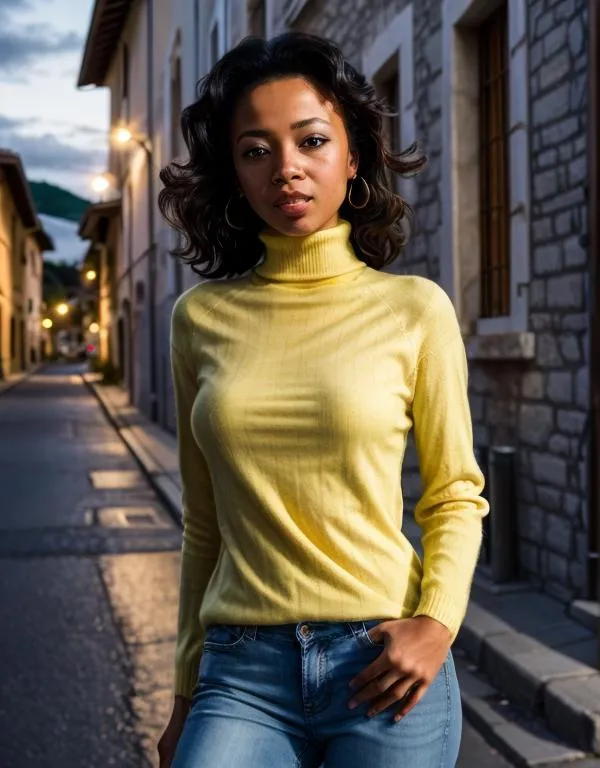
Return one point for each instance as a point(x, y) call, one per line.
point(494, 165)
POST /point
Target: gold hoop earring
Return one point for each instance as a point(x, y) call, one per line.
point(228, 221)
point(367, 193)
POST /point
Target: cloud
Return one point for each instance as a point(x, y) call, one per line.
point(51, 151)
point(27, 45)
point(50, 154)
point(10, 123)
point(7, 6)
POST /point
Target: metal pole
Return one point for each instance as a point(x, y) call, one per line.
point(151, 242)
point(593, 244)
point(503, 517)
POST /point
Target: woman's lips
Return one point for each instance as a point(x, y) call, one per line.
point(294, 208)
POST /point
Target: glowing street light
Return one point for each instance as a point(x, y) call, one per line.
point(94, 328)
point(47, 323)
point(123, 135)
point(62, 309)
point(91, 275)
point(100, 183)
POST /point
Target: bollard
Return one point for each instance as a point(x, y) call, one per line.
point(504, 538)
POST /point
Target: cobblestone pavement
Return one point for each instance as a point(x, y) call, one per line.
point(88, 568)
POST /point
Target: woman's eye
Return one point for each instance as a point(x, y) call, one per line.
point(315, 141)
point(255, 153)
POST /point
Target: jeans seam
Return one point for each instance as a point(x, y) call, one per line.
point(448, 714)
point(300, 756)
point(208, 645)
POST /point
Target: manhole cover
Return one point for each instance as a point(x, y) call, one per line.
point(110, 479)
point(129, 517)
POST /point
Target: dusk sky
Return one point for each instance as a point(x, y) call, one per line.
point(59, 131)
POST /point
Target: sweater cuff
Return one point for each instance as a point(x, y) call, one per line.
point(186, 677)
point(442, 608)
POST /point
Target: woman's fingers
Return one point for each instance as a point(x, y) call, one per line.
point(375, 688)
point(403, 690)
point(378, 667)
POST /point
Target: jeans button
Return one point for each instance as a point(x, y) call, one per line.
point(305, 630)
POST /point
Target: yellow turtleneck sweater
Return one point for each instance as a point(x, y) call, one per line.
point(296, 387)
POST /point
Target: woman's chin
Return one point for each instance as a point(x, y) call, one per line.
point(301, 226)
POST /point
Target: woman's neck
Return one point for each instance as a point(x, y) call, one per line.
point(318, 256)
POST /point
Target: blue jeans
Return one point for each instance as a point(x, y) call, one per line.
point(276, 697)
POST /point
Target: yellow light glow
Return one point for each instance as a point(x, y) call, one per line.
point(47, 323)
point(62, 309)
point(100, 183)
point(90, 275)
point(123, 135)
point(94, 328)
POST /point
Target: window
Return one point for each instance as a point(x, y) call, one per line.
point(258, 22)
point(486, 174)
point(389, 63)
point(214, 44)
point(292, 10)
point(387, 84)
point(217, 33)
point(125, 72)
point(176, 107)
point(493, 166)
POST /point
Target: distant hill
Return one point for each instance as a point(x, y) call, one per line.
point(56, 201)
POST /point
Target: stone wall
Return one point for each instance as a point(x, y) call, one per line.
point(555, 395)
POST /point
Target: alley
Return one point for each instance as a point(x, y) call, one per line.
point(88, 568)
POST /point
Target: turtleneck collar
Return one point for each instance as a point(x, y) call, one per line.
point(325, 254)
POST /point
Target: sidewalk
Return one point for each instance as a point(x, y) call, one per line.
point(16, 378)
point(526, 664)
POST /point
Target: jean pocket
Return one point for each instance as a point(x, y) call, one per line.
point(221, 637)
point(363, 636)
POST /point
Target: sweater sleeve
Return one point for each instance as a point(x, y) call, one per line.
point(201, 537)
point(451, 507)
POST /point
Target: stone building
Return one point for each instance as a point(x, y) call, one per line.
point(22, 245)
point(500, 94)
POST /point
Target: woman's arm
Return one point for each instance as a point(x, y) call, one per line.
point(201, 538)
point(451, 508)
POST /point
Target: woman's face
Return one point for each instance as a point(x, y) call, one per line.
point(291, 155)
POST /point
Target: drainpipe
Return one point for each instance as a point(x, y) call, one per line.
point(151, 241)
point(593, 243)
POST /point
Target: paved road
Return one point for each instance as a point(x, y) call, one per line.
point(64, 671)
point(75, 644)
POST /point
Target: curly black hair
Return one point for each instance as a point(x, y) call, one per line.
point(196, 191)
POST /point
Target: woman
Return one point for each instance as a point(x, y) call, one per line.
point(309, 631)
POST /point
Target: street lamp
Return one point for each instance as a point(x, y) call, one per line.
point(90, 275)
point(94, 328)
point(123, 135)
point(47, 323)
point(100, 183)
point(62, 309)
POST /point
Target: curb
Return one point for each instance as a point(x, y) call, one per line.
point(160, 481)
point(19, 378)
point(541, 681)
point(524, 743)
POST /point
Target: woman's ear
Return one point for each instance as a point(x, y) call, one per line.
point(352, 165)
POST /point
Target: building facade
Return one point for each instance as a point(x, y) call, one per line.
point(22, 244)
point(502, 97)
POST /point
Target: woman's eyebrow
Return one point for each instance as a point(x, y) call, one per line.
point(260, 133)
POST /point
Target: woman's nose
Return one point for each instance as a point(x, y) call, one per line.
point(288, 169)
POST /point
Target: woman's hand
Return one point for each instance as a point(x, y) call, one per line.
point(170, 738)
point(413, 653)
